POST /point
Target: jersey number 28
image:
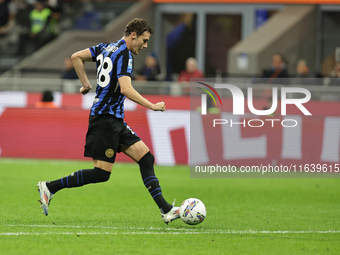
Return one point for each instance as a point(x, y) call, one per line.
point(103, 70)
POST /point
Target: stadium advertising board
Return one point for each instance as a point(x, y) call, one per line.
point(252, 140)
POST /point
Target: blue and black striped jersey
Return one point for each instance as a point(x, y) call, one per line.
point(113, 60)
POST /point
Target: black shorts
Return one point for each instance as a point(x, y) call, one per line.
point(105, 135)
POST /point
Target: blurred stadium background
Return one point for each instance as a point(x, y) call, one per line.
point(229, 39)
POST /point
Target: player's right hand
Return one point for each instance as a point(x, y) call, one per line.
point(160, 106)
point(84, 91)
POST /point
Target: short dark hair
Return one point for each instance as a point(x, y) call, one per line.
point(47, 96)
point(139, 26)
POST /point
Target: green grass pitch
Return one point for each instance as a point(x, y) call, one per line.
point(244, 216)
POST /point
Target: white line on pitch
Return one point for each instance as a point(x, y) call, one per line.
point(98, 227)
point(97, 233)
point(173, 230)
point(161, 233)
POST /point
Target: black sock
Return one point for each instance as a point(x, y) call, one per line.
point(151, 182)
point(78, 179)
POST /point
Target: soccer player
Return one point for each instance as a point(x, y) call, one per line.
point(107, 133)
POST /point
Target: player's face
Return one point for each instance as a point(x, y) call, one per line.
point(140, 42)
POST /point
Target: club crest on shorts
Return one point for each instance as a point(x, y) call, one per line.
point(109, 153)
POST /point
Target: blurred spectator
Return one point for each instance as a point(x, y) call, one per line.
point(39, 19)
point(46, 100)
point(150, 70)
point(336, 71)
point(22, 21)
point(302, 69)
point(191, 71)
point(335, 76)
point(278, 70)
point(303, 75)
point(69, 73)
point(55, 17)
point(70, 77)
point(4, 15)
point(90, 18)
point(180, 44)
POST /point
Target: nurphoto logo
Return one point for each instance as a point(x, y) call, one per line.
point(238, 104)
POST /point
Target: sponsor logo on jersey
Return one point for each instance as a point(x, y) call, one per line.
point(130, 64)
point(111, 48)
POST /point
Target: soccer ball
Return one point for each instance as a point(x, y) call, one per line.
point(192, 211)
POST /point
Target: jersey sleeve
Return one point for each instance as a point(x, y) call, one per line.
point(125, 64)
point(95, 50)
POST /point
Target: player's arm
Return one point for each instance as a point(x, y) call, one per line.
point(127, 90)
point(78, 60)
